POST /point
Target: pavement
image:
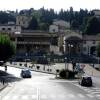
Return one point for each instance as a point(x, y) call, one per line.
point(89, 70)
point(2, 74)
point(6, 78)
point(41, 87)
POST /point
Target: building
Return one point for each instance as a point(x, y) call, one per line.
point(23, 21)
point(96, 12)
point(59, 40)
point(73, 42)
point(9, 28)
point(59, 26)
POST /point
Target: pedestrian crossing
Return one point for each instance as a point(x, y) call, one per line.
point(46, 97)
point(92, 91)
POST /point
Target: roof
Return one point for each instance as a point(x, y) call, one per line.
point(35, 34)
point(91, 37)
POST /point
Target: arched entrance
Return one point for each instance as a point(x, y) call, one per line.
point(73, 45)
point(93, 50)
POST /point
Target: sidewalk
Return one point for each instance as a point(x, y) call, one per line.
point(2, 86)
point(91, 71)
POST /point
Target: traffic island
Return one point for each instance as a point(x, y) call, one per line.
point(66, 74)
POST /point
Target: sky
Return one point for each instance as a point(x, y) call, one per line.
point(55, 4)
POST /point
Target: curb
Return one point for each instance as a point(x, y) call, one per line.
point(3, 87)
point(32, 70)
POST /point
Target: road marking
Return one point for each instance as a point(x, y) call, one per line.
point(81, 95)
point(91, 96)
point(25, 97)
point(52, 96)
point(34, 96)
point(38, 94)
point(15, 97)
point(43, 97)
point(6, 97)
point(95, 92)
point(71, 96)
point(62, 96)
point(98, 95)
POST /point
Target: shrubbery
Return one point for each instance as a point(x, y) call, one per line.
point(67, 74)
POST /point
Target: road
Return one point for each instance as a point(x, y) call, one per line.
point(45, 87)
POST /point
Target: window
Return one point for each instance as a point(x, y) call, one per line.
point(84, 42)
point(3, 28)
point(9, 29)
point(84, 49)
point(93, 42)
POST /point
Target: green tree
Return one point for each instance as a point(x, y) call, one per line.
point(98, 49)
point(43, 26)
point(93, 26)
point(33, 25)
point(7, 48)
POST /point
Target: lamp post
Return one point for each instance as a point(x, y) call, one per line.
point(65, 64)
point(44, 62)
point(26, 59)
point(66, 67)
point(70, 46)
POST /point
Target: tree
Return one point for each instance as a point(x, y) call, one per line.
point(74, 24)
point(93, 26)
point(7, 48)
point(33, 25)
point(5, 17)
point(98, 49)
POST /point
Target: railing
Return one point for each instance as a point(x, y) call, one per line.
point(45, 43)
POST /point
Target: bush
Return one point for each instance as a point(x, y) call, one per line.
point(67, 74)
point(62, 74)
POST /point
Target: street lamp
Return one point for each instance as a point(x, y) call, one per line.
point(44, 62)
point(26, 59)
point(69, 50)
point(65, 63)
point(66, 67)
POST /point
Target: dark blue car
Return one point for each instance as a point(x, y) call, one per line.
point(26, 73)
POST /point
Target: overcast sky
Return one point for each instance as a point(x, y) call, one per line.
point(55, 4)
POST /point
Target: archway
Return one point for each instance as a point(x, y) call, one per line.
point(93, 50)
point(73, 45)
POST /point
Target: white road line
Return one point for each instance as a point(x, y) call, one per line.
point(6, 97)
point(62, 96)
point(22, 90)
point(43, 97)
point(14, 97)
point(71, 95)
point(24, 97)
point(38, 94)
point(91, 96)
point(97, 95)
point(80, 95)
point(34, 96)
point(95, 92)
point(52, 96)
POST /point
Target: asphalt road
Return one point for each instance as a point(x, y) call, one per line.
point(45, 87)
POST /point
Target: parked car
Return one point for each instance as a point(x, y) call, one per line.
point(26, 73)
point(86, 81)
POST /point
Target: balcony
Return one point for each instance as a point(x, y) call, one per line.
point(39, 43)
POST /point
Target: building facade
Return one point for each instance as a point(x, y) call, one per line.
point(10, 28)
point(23, 21)
point(59, 40)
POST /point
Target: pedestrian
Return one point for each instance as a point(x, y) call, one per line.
point(2, 80)
point(5, 68)
point(73, 64)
